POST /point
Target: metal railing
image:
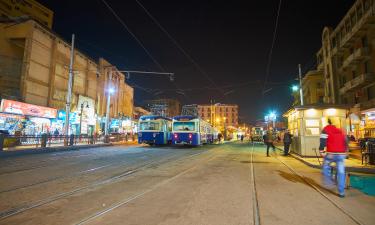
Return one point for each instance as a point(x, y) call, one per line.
point(13, 142)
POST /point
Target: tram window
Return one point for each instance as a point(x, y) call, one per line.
point(150, 126)
point(183, 126)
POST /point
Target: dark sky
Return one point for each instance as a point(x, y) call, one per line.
point(230, 40)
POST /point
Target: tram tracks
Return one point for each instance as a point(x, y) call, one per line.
point(80, 172)
point(139, 194)
point(113, 178)
point(314, 187)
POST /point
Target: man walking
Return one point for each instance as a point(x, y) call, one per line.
point(287, 141)
point(334, 141)
point(268, 140)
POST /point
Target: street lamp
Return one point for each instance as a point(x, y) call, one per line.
point(80, 118)
point(295, 88)
point(106, 126)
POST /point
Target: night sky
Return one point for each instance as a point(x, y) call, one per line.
point(229, 40)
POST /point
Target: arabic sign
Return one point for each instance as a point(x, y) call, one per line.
point(20, 108)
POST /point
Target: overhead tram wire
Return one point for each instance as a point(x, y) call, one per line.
point(197, 66)
point(269, 61)
point(138, 41)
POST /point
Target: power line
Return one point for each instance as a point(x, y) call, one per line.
point(198, 67)
point(138, 41)
point(271, 50)
point(132, 34)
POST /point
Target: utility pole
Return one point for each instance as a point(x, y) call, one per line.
point(109, 90)
point(300, 83)
point(69, 93)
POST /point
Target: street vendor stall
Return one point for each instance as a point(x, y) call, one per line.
point(306, 123)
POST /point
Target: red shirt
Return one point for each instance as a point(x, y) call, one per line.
point(334, 139)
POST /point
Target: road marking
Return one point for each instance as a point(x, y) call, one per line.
point(256, 216)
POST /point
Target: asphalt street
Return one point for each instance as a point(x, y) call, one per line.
point(232, 183)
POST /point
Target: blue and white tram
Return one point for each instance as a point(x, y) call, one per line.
point(191, 130)
point(154, 130)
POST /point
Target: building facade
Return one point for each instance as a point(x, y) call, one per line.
point(347, 61)
point(34, 69)
point(219, 114)
point(36, 11)
point(165, 107)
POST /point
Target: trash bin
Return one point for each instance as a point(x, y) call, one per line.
point(371, 153)
point(71, 140)
point(43, 142)
point(2, 138)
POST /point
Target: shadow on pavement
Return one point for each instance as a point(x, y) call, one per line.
point(295, 179)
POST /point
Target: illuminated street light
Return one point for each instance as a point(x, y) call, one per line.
point(295, 88)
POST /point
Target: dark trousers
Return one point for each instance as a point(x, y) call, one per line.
point(269, 144)
point(286, 148)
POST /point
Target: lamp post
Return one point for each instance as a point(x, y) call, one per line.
point(80, 118)
point(109, 92)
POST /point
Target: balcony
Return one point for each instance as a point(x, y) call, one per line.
point(357, 82)
point(356, 57)
point(366, 22)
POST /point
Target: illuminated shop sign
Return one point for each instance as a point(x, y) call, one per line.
point(20, 108)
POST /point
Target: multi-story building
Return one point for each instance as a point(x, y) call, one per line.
point(34, 69)
point(347, 60)
point(165, 107)
point(31, 8)
point(219, 114)
point(313, 87)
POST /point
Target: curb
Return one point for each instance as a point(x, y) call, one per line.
point(348, 168)
point(4, 154)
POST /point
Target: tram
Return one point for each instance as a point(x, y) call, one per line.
point(191, 130)
point(154, 130)
point(257, 134)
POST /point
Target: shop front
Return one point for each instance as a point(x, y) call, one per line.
point(26, 119)
point(306, 123)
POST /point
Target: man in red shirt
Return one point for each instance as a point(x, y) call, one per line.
point(334, 141)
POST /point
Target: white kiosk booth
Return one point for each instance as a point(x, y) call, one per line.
point(306, 123)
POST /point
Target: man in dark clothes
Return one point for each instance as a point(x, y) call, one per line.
point(268, 140)
point(287, 141)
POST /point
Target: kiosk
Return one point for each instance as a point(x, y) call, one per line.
point(306, 123)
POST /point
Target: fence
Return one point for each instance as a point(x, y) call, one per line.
point(12, 142)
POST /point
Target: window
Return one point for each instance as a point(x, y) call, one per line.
point(364, 41)
point(348, 26)
point(359, 11)
point(368, 68)
point(183, 126)
point(353, 19)
point(366, 4)
point(371, 92)
point(149, 126)
point(312, 127)
point(334, 44)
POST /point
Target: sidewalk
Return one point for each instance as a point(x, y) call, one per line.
point(352, 164)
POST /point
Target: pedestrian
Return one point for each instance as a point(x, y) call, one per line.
point(333, 148)
point(219, 136)
point(268, 140)
point(242, 137)
point(287, 141)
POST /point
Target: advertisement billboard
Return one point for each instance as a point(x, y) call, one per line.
point(20, 108)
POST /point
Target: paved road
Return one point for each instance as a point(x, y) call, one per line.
point(144, 185)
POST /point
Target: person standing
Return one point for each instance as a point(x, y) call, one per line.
point(333, 148)
point(268, 140)
point(287, 141)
